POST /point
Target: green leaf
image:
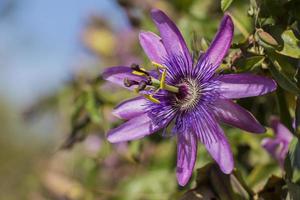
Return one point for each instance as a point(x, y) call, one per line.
point(293, 191)
point(284, 81)
point(291, 44)
point(274, 189)
point(283, 109)
point(240, 24)
point(212, 183)
point(294, 153)
point(246, 64)
point(260, 173)
point(92, 107)
point(225, 4)
point(297, 117)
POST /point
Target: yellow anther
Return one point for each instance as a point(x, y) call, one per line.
point(158, 65)
point(138, 73)
point(151, 98)
point(163, 79)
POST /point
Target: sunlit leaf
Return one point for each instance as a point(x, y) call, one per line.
point(225, 4)
point(291, 45)
point(240, 25)
point(260, 173)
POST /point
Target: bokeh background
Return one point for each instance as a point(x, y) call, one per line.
point(55, 108)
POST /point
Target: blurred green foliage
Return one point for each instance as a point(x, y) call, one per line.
point(87, 167)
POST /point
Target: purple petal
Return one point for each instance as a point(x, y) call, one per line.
point(221, 152)
point(130, 108)
point(153, 47)
point(235, 115)
point(234, 86)
point(278, 147)
point(281, 132)
point(186, 156)
point(220, 44)
point(171, 36)
point(133, 129)
point(118, 74)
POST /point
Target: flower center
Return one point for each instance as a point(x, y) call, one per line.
point(189, 94)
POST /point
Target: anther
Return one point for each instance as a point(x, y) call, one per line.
point(129, 83)
point(137, 68)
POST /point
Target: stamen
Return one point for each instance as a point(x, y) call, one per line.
point(129, 83)
point(138, 70)
point(155, 64)
point(163, 79)
point(156, 84)
point(151, 98)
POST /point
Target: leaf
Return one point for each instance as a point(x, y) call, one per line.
point(297, 110)
point(273, 189)
point(293, 191)
point(92, 107)
point(212, 183)
point(294, 153)
point(291, 45)
point(284, 81)
point(297, 117)
point(261, 173)
point(240, 25)
point(246, 64)
point(284, 109)
point(225, 4)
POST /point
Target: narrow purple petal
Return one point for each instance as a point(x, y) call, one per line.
point(130, 108)
point(221, 152)
point(281, 132)
point(153, 47)
point(220, 44)
point(133, 129)
point(235, 115)
point(233, 86)
point(186, 156)
point(171, 36)
point(278, 147)
point(118, 74)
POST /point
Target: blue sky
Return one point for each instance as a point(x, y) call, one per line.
point(40, 42)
